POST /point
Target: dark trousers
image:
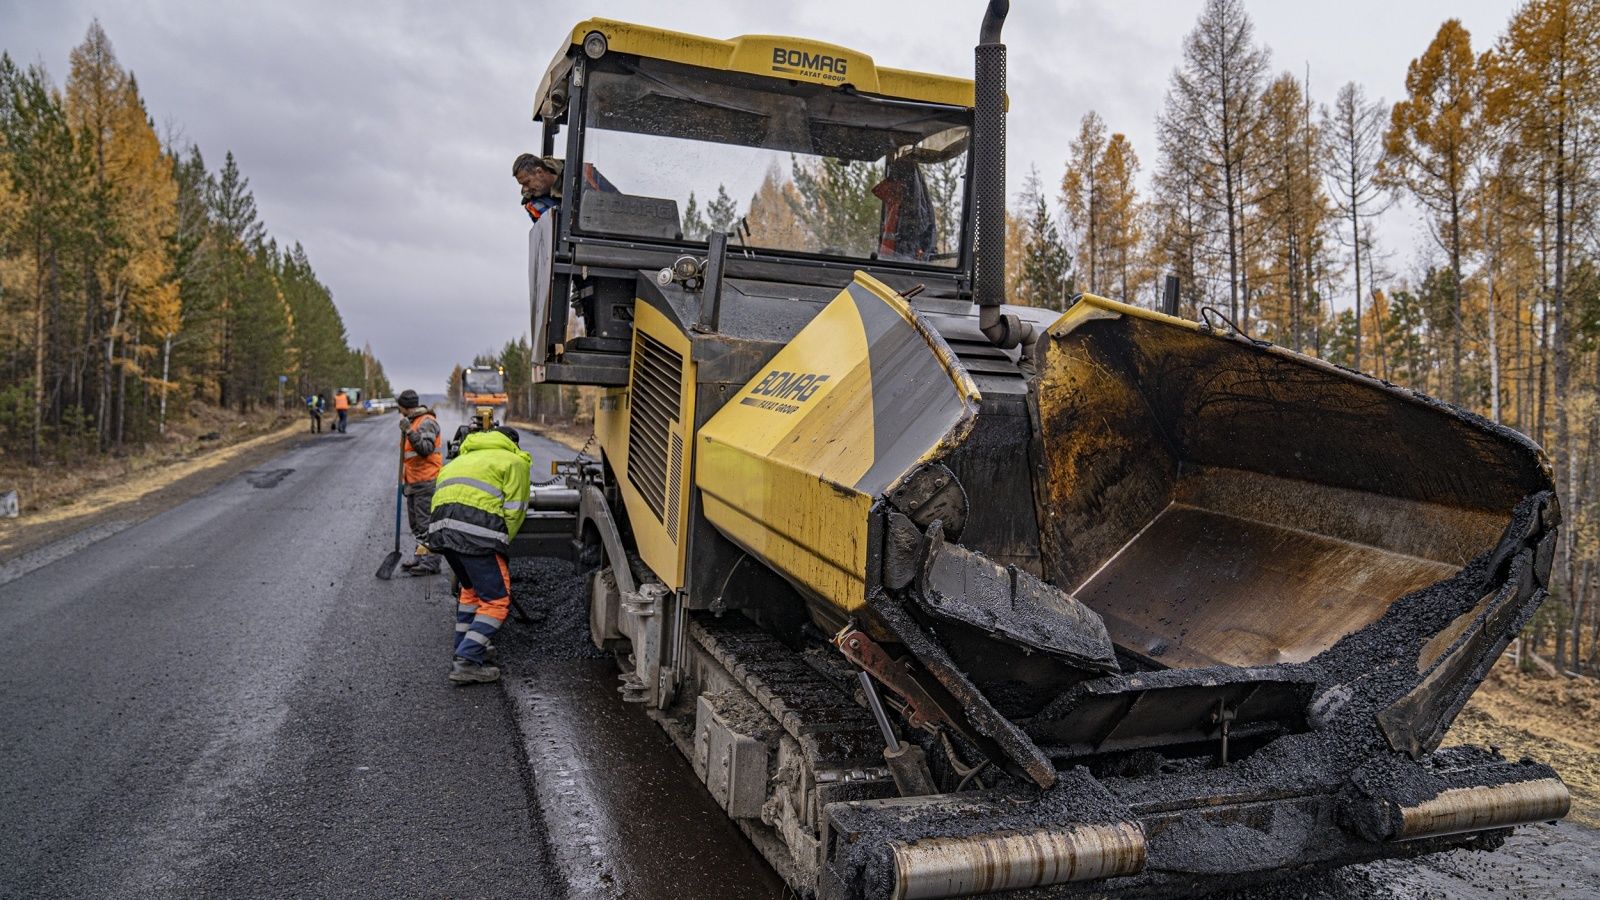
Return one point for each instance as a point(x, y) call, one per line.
point(316, 422)
point(344, 414)
point(484, 603)
point(419, 502)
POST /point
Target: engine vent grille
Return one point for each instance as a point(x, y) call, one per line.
point(674, 478)
point(654, 404)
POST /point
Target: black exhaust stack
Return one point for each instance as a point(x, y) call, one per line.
point(989, 182)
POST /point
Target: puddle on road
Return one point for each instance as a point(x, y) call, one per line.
point(267, 479)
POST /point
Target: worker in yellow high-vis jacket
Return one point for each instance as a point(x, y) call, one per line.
point(479, 502)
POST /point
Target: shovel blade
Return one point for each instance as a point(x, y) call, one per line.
point(386, 571)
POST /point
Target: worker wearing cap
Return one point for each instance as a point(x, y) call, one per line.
point(420, 463)
point(540, 177)
point(479, 502)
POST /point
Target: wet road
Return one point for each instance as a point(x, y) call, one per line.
point(222, 701)
point(627, 817)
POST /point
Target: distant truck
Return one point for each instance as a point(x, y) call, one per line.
point(484, 386)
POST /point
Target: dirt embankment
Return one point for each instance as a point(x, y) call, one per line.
point(1553, 720)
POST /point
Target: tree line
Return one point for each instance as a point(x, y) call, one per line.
point(1264, 203)
point(136, 280)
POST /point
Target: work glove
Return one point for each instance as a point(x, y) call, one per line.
point(405, 424)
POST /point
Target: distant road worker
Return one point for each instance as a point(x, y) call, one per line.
point(341, 405)
point(314, 407)
point(479, 503)
point(540, 177)
point(420, 464)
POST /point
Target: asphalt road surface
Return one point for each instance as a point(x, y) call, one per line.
point(222, 701)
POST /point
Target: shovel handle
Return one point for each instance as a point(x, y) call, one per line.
point(399, 494)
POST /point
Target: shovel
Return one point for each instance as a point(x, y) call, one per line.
point(386, 570)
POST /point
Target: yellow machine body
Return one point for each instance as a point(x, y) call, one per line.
point(772, 56)
point(1176, 603)
point(644, 431)
point(790, 466)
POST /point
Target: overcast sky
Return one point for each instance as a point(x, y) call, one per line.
point(380, 136)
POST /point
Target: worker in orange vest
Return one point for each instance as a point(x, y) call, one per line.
point(341, 405)
point(421, 461)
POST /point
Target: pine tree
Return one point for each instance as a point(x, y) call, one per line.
point(1121, 223)
point(1292, 214)
point(834, 202)
point(721, 212)
point(41, 230)
point(452, 389)
point(1181, 226)
point(516, 358)
point(236, 234)
point(1045, 265)
point(1430, 149)
point(1081, 197)
point(694, 223)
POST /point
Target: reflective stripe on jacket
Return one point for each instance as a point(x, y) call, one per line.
point(419, 448)
point(538, 206)
point(481, 496)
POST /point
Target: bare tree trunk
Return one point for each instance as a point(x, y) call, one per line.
point(1541, 404)
point(36, 442)
point(104, 413)
point(1494, 290)
point(1520, 379)
point(1566, 469)
point(166, 362)
point(122, 387)
point(1377, 320)
point(1228, 176)
point(1455, 294)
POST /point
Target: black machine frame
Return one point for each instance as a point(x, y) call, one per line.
point(596, 276)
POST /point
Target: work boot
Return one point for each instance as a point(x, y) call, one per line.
point(468, 672)
point(418, 556)
point(425, 565)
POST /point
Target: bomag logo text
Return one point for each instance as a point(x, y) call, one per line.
point(784, 391)
point(831, 68)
